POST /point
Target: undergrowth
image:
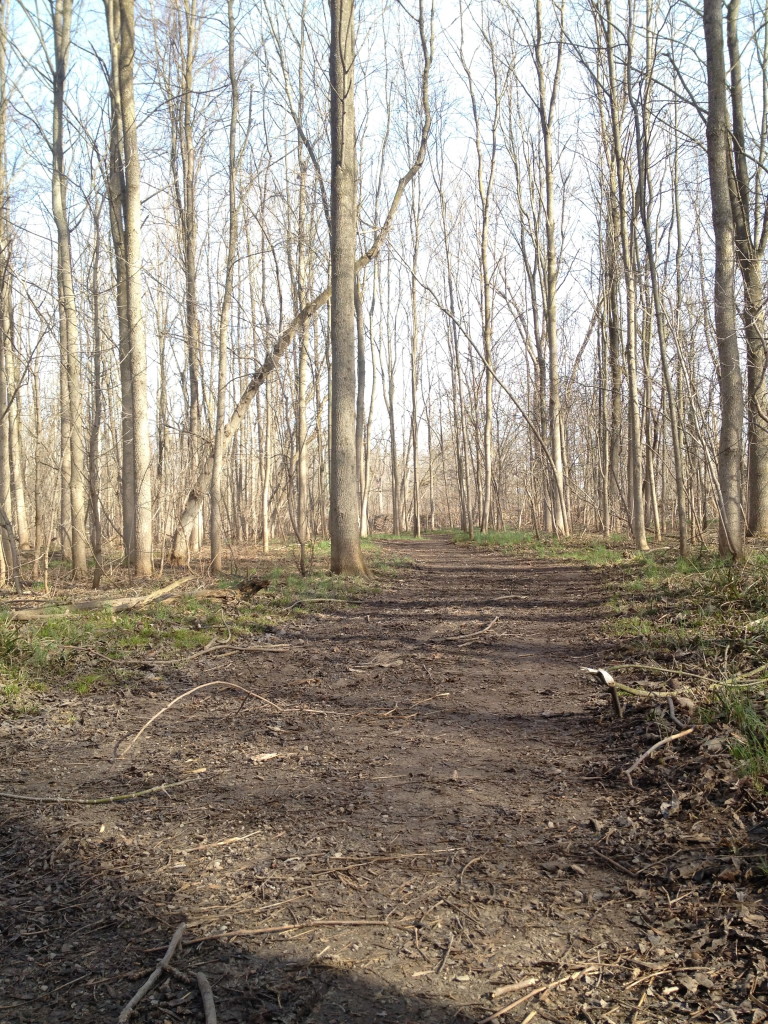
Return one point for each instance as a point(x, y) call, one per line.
point(579, 549)
point(90, 649)
point(701, 621)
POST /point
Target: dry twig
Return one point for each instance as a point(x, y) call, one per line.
point(206, 994)
point(202, 686)
point(154, 977)
point(656, 746)
point(468, 636)
point(575, 976)
point(315, 923)
point(98, 800)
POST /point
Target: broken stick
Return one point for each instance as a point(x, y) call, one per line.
point(155, 976)
point(202, 686)
point(206, 994)
point(91, 801)
point(654, 748)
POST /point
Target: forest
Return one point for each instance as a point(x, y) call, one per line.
point(383, 511)
point(555, 319)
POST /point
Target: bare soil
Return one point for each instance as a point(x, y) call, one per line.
point(446, 815)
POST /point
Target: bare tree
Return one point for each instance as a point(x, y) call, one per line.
point(729, 460)
point(127, 213)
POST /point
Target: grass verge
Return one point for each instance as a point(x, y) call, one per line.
point(700, 623)
point(80, 652)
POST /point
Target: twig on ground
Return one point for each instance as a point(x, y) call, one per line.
point(206, 994)
point(656, 746)
point(217, 650)
point(319, 923)
point(365, 862)
point(605, 677)
point(463, 870)
point(467, 636)
point(672, 714)
point(614, 863)
point(515, 986)
point(98, 800)
point(446, 954)
point(202, 686)
point(154, 977)
point(574, 976)
point(320, 600)
point(221, 842)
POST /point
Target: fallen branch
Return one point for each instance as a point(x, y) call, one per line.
point(99, 800)
point(654, 748)
point(319, 923)
point(222, 842)
point(613, 686)
point(575, 976)
point(218, 650)
point(154, 977)
point(614, 863)
point(202, 686)
point(114, 604)
point(468, 636)
point(320, 600)
point(206, 994)
point(672, 714)
point(635, 692)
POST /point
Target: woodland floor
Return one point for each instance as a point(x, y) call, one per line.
point(447, 815)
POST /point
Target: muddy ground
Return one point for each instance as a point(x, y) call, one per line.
point(446, 817)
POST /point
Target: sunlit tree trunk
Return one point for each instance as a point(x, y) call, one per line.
point(750, 218)
point(121, 27)
point(68, 325)
point(226, 306)
point(729, 460)
point(344, 521)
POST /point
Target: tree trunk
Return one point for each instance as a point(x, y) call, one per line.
point(120, 24)
point(344, 521)
point(749, 208)
point(729, 460)
point(226, 305)
point(68, 325)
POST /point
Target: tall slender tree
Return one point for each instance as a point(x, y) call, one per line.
point(344, 522)
point(730, 449)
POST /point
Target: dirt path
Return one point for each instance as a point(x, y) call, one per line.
point(445, 772)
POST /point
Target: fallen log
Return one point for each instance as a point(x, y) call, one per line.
point(114, 604)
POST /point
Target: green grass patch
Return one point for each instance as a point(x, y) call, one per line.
point(700, 619)
point(590, 551)
point(87, 650)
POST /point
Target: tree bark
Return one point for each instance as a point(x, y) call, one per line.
point(226, 306)
point(749, 209)
point(68, 320)
point(729, 459)
point(344, 521)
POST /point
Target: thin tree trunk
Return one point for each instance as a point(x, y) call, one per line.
point(729, 460)
point(226, 306)
point(68, 325)
point(750, 252)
